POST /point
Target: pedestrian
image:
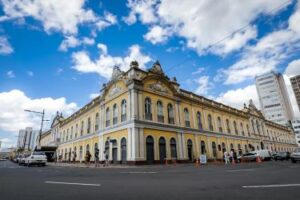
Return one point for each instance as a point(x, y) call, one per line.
point(96, 157)
point(231, 156)
point(234, 156)
point(106, 157)
point(74, 157)
point(87, 158)
point(226, 157)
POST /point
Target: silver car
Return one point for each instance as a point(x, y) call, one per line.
point(295, 156)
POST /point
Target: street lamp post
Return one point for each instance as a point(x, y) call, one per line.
point(42, 122)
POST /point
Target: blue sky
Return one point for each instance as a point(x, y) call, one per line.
point(57, 57)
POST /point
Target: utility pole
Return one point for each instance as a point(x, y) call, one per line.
point(42, 122)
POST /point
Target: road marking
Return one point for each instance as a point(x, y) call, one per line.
point(271, 186)
point(138, 172)
point(240, 170)
point(68, 183)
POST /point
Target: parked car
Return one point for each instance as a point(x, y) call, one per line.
point(248, 157)
point(36, 157)
point(22, 158)
point(264, 154)
point(282, 156)
point(295, 156)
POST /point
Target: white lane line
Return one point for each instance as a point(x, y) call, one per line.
point(138, 172)
point(240, 170)
point(271, 186)
point(68, 183)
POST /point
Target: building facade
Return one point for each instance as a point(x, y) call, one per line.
point(296, 127)
point(145, 117)
point(27, 139)
point(295, 81)
point(274, 99)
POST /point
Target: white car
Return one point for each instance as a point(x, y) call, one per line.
point(36, 157)
point(295, 156)
point(264, 154)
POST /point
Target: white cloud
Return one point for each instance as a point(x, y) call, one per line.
point(157, 34)
point(105, 63)
point(204, 85)
point(293, 68)
point(6, 143)
point(94, 95)
point(236, 98)
point(144, 9)
point(69, 42)
point(72, 42)
point(203, 23)
point(266, 55)
point(55, 15)
point(108, 20)
point(198, 71)
point(10, 74)
point(5, 47)
point(13, 103)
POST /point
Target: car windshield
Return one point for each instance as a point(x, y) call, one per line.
point(37, 153)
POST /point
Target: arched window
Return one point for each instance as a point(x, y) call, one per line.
point(123, 110)
point(71, 135)
point(123, 150)
point(214, 149)
point(148, 111)
point(253, 126)
point(88, 130)
point(115, 114)
point(235, 128)
point(220, 124)
point(231, 146)
point(203, 148)
point(170, 114)
point(228, 126)
point(210, 125)
point(107, 117)
point(87, 148)
point(97, 122)
point(242, 129)
point(160, 112)
point(240, 151)
point(82, 128)
point(187, 117)
point(223, 147)
point(162, 149)
point(199, 121)
point(173, 148)
point(258, 128)
point(248, 130)
point(76, 130)
point(67, 135)
point(190, 149)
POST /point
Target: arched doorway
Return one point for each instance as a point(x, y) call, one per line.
point(123, 150)
point(162, 149)
point(262, 146)
point(190, 149)
point(173, 149)
point(214, 149)
point(114, 151)
point(223, 147)
point(203, 149)
point(150, 149)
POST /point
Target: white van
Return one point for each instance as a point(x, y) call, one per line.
point(264, 154)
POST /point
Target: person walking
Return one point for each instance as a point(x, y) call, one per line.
point(87, 158)
point(96, 157)
point(106, 158)
point(231, 156)
point(226, 157)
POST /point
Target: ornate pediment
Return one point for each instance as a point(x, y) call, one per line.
point(158, 87)
point(115, 89)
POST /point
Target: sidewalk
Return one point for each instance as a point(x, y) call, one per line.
point(92, 165)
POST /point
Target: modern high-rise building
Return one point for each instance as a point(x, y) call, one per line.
point(296, 127)
point(274, 99)
point(27, 139)
point(295, 81)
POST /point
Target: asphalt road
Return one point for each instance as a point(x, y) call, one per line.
point(268, 180)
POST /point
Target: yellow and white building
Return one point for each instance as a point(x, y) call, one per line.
point(145, 117)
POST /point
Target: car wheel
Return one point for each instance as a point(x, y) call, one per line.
point(293, 160)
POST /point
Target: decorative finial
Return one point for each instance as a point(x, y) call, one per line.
point(134, 64)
